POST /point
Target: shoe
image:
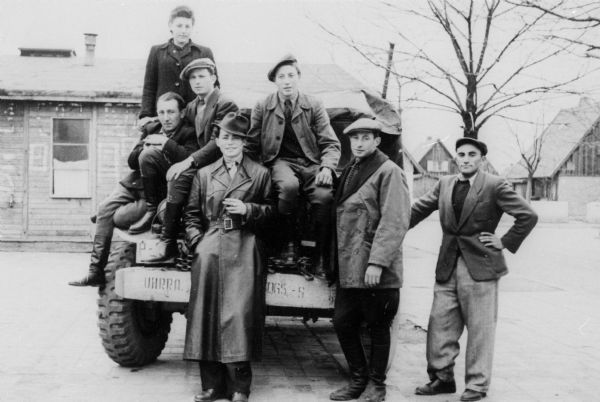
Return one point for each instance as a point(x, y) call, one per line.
point(208, 395)
point(239, 397)
point(373, 393)
point(92, 279)
point(472, 395)
point(152, 193)
point(165, 250)
point(356, 386)
point(437, 386)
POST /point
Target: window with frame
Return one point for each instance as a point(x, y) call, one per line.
point(71, 165)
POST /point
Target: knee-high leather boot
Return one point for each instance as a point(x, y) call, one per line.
point(167, 248)
point(359, 374)
point(100, 251)
point(152, 192)
point(321, 253)
point(380, 351)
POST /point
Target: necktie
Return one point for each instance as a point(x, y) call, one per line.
point(287, 111)
point(200, 109)
point(459, 194)
point(232, 169)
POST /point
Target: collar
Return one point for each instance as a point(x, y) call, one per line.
point(171, 43)
point(237, 161)
point(205, 99)
point(366, 158)
point(172, 132)
point(294, 100)
point(471, 179)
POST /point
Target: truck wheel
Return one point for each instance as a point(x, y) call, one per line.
point(133, 332)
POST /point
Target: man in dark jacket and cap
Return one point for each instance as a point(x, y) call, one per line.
point(150, 158)
point(372, 213)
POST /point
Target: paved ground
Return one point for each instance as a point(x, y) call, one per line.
point(546, 349)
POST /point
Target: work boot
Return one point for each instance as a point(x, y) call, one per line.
point(167, 247)
point(321, 252)
point(152, 194)
point(356, 386)
point(373, 393)
point(95, 276)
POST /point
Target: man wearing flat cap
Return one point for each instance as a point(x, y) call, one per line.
point(290, 133)
point(470, 264)
point(204, 112)
point(372, 213)
point(230, 203)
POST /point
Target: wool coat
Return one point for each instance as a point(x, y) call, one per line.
point(488, 198)
point(371, 219)
point(225, 316)
point(310, 122)
point(163, 67)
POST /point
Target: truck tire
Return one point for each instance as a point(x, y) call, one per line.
point(133, 332)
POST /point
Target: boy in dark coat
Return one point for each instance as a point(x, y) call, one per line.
point(166, 62)
point(372, 213)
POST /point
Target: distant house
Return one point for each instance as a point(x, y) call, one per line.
point(66, 129)
point(569, 168)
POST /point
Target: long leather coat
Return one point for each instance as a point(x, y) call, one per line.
point(225, 317)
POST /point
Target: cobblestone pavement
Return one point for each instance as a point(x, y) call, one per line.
point(546, 347)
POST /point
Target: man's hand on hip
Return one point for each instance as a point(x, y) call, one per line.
point(491, 240)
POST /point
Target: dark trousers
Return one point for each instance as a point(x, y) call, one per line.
point(105, 224)
point(290, 176)
point(226, 378)
point(179, 189)
point(154, 166)
point(376, 307)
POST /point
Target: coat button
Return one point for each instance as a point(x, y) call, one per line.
point(278, 137)
point(176, 84)
point(177, 64)
point(280, 122)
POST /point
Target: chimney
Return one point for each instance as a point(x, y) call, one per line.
point(90, 48)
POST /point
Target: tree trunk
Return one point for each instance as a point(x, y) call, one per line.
point(529, 188)
point(470, 112)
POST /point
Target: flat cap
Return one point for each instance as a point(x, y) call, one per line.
point(235, 124)
point(204, 62)
point(286, 60)
point(476, 143)
point(364, 125)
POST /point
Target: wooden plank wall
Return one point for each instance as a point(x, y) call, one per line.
point(586, 157)
point(12, 169)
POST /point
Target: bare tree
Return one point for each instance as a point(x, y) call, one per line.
point(579, 19)
point(530, 160)
point(492, 64)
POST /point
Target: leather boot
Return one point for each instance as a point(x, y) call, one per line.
point(359, 374)
point(95, 276)
point(380, 351)
point(167, 248)
point(373, 393)
point(152, 194)
point(321, 252)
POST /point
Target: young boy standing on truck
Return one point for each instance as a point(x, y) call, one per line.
point(372, 214)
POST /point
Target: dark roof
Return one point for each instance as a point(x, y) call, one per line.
point(120, 80)
point(560, 138)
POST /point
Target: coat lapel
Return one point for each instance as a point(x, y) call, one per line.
point(241, 177)
point(365, 171)
point(472, 198)
point(301, 104)
point(211, 104)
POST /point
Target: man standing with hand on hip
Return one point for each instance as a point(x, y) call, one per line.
point(372, 213)
point(469, 266)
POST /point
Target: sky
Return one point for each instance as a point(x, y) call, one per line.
point(264, 30)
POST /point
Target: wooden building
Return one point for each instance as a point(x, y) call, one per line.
point(66, 129)
point(569, 168)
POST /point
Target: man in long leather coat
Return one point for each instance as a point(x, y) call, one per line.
point(229, 203)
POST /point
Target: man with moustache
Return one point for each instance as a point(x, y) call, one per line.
point(470, 264)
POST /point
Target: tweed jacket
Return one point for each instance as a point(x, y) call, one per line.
point(310, 123)
point(488, 198)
